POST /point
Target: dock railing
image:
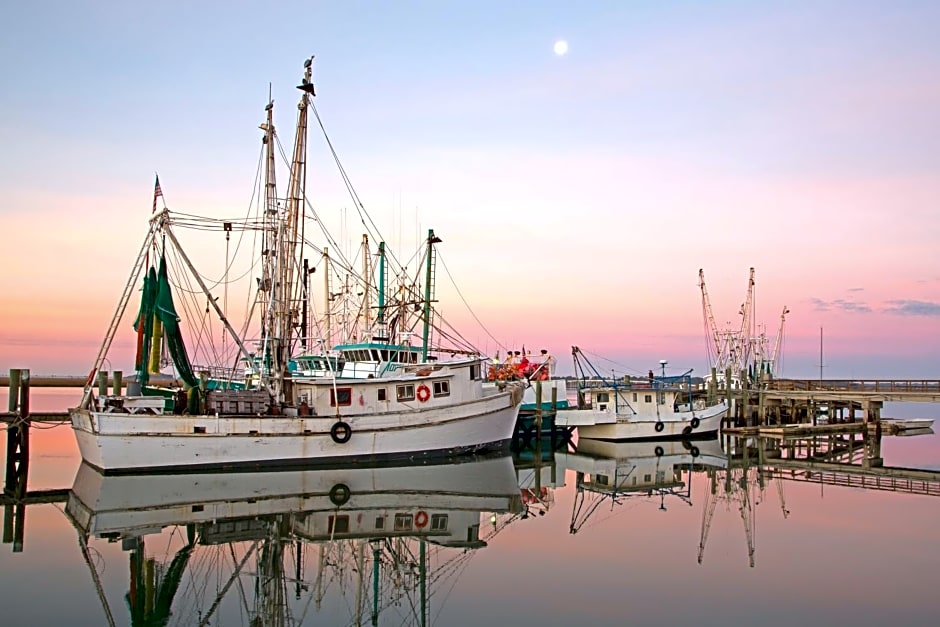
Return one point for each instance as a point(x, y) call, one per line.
point(892, 386)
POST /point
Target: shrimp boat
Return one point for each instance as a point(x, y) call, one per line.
point(653, 409)
point(427, 403)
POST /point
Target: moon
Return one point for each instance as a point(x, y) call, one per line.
point(561, 47)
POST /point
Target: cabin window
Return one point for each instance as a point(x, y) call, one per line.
point(474, 372)
point(404, 522)
point(338, 524)
point(647, 398)
point(660, 476)
point(473, 533)
point(438, 522)
point(634, 479)
point(603, 397)
point(380, 522)
point(634, 397)
point(405, 392)
point(647, 478)
point(601, 480)
point(340, 396)
point(383, 394)
point(442, 388)
point(384, 354)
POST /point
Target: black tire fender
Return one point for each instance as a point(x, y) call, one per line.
point(339, 494)
point(341, 432)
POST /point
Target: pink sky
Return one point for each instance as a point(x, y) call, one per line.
point(577, 196)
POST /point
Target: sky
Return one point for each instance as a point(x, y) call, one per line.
point(577, 195)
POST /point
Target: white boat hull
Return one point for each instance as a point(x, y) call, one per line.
point(607, 425)
point(123, 442)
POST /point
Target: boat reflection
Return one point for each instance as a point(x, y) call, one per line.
point(351, 545)
point(614, 472)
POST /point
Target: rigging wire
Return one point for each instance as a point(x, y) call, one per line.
point(466, 304)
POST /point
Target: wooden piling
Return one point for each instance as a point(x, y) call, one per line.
point(538, 436)
point(102, 383)
point(17, 467)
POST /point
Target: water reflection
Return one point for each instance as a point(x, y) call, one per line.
point(608, 474)
point(260, 548)
point(338, 546)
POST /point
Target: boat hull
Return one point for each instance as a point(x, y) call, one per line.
point(606, 425)
point(126, 443)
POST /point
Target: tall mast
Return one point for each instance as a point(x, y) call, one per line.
point(327, 298)
point(269, 237)
point(289, 251)
point(366, 288)
point(380, 317)
point(746, 334)
point(428, 292)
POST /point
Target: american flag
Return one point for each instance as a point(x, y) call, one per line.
point(156, 192)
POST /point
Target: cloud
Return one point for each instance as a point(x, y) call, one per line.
point(856, 289)
point(913, 308)
point(841, 304)
point(848, 305)
point(819, 304)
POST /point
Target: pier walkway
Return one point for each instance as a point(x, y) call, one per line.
point(891, 390)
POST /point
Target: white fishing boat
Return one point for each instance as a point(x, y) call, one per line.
point(428, 404)
point(647, 409)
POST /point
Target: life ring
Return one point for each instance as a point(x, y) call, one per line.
point(694, 451)
point(421, 519)
point(659, 451)
point(341, 432)
point(660, 426)
point(339, 494)
point(695, 422)
point(423, 393)
point(686, 430)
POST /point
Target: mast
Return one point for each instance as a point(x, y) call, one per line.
point(366, 288)
point(820, 353)
point(428, 292)
point(269, 239)
point(380, 316)
point(327, 299)
point(422, 581)
point(288, 248)
point(746, 334)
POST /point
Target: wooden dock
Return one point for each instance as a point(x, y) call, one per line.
point(780, 402)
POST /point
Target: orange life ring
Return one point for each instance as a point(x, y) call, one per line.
point(423, 393)
point(421, 519)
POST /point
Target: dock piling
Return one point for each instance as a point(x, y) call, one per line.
point(17, 466)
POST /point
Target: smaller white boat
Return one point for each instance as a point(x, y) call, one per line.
point(651, 409)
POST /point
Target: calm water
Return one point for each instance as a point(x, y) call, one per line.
point(607, 535)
